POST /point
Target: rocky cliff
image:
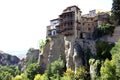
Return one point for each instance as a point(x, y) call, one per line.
point(72, 51)
point(7, 59)
point(31, 57)
point(52, 51)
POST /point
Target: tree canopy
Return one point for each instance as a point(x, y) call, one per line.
point(116, 10)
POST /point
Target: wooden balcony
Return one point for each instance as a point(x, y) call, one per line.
point(68, 33)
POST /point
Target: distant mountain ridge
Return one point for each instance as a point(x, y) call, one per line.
point(19, 53)
point(7, 59)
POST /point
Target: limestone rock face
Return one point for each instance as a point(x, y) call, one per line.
point(69, 51)
point(78, 57)
point(7, 59)
point(43, 58)
point(22, 64)
point(52, 51)
point(87, 44)
point(32, 55)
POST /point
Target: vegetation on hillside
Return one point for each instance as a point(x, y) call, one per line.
point(43, 43)
point(116, 11)
point(104, 29)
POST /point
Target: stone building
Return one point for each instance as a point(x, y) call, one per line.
point(70, 21)
point(52, 28)
point(93, 13)
point(72, 33)
point(102, 18)
point(88, 26)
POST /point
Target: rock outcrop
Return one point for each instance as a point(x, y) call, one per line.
point(7, 59)
point(31, 57)
point(71, 50)
point(78, 57)
point(52, 51)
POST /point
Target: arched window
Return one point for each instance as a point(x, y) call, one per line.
point(53, 32)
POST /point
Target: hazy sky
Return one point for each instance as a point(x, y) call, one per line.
point(23, 22)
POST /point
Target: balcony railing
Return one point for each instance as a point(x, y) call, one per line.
point(67, 33)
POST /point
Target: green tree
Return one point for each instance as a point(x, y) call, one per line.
point(7, 72)
point(18, 77)
point(95, 66)
point(68, 75)
point(23, 76)
point(32, 70)
point(55, 69)
point(103, 49)
point(112, 68)
point(5, 76)
point(81, 73)
point(116, 10)
point(41, 77)
point(116, 58)
point(108, 70)
point(38, 77)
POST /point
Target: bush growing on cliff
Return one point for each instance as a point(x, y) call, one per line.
point(104, 29)
point(43, 43)
point(95, 68)
point(103, 49)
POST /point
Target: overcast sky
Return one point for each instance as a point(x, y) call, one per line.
point(23, 22)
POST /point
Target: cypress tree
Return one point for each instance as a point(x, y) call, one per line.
point(116, 11)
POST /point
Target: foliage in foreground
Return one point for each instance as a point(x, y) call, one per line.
point(111, 68)
point(7, 72)
point(32, 70)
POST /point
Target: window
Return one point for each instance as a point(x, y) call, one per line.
point(71, 23)
point(81, 35)
point(83, 24)
point(53, 32)
point(91, 19)
point(89, 28)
